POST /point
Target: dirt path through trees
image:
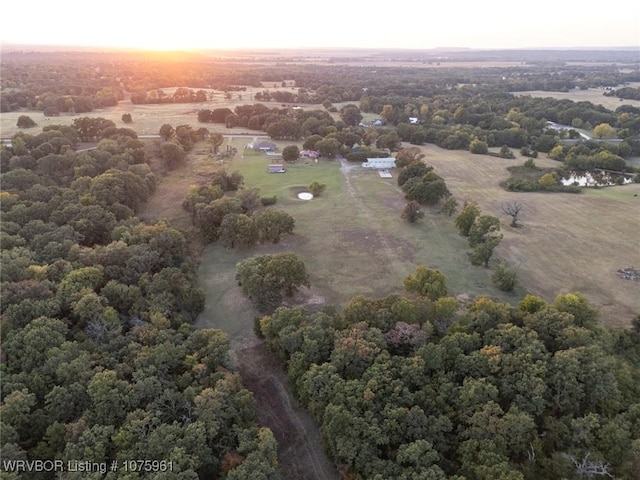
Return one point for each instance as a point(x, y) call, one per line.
point(300, 452)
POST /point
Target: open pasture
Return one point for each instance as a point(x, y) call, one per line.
point(354, 242)
point(351, 238)
point(147, 119)
point(593, 95)
point(567, 242)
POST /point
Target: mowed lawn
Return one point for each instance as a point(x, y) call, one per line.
point(351, 238)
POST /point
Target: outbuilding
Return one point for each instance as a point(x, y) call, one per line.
point(275, 168)
point(264, 146)
point(381, 163)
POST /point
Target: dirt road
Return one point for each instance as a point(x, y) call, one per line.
point(300, 452)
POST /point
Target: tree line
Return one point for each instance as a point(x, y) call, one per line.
point(101, 362)
point(425, 386)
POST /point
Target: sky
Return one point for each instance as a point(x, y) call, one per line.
point(279, 24)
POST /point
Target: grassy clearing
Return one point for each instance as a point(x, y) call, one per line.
point(147, 119)
point(593, 95)
point(568, 242)
point(352, 240)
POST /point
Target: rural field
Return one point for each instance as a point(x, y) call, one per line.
point(568, 242)
point(351, 238)
point(354, 242)
point(147, 119)
point(593, 95)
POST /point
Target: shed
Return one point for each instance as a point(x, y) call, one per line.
point(265, 146)
point(382, 163)
point(275, 168)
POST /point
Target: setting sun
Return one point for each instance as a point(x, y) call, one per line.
point(252, 24)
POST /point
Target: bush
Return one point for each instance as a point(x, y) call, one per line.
point(478, 147)
point(316, 188)
point(505, 152)
point(504, 277)
point(256, 327)
point(25, 121)
point(547, 180)
point(267, 201)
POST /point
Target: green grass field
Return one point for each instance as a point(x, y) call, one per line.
point(352, 240)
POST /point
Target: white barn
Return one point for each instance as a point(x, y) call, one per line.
point(384, 163)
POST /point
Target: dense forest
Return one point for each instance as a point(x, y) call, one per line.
point(101, 361)
point(420, 388)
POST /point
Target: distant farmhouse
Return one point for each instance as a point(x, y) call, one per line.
point(263, 146)
point(380, 163)
point(309, 154)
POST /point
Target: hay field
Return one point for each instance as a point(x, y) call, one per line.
point(593, 95)
point(147, 119)
point(568, 242)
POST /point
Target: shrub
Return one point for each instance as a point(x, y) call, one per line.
point(478, 147)
point(266, 201)
point(316, 188)
point(505, 152)
point(504, 277)
point(547, 180)
point(25, 121)
point(412, 212)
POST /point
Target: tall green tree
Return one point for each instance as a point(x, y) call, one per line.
point(467, 217)
point(484, 228)
point(273, 223)
point(267, 278)
point(290, 153)
point(215, 141)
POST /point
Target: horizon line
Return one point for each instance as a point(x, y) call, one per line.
point(5, 46)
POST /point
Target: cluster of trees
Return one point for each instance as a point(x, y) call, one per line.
point(423, 388)
point(178, 141)
point(421, 184)
point(482, 231)
point(530, 178)
point(180, 95)
point(624, 93)
point(100, 361)
point(453, 106)
point(236, 216)
point(267, 279)
point(589, 155)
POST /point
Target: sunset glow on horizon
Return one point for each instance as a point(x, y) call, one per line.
point(255, 25)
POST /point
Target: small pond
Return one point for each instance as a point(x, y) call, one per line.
point(595, 178)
